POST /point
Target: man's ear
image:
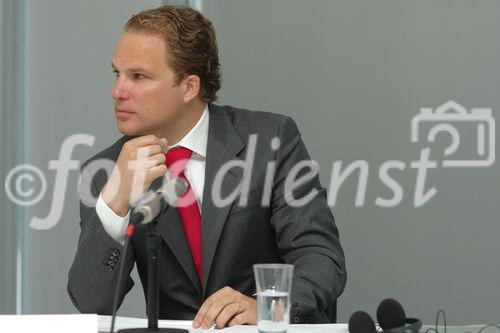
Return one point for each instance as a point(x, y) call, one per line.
point(191, 86)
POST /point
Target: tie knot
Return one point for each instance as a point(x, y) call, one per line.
point(176, 159)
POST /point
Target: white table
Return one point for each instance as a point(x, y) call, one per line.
point(78, 323)
point(104, 323)
point(127, 322)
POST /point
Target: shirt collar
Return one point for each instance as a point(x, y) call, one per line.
point(197, 138)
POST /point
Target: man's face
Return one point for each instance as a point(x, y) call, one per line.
point(147, 100)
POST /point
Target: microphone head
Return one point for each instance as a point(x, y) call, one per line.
point(390, 314)
point(136, 217)
point(361, 322)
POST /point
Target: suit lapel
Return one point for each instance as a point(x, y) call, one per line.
point(223, 145)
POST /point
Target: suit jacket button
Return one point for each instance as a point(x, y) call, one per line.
point(296, 320)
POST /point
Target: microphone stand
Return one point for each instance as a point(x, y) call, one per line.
point(147, 213)
point(153, 247)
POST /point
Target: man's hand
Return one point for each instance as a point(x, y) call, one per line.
point(226, 307)
point(140, 162)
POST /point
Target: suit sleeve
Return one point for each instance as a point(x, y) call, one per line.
point(306, 234)
point(94, 272)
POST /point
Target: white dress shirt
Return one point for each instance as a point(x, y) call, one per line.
point(196, 140)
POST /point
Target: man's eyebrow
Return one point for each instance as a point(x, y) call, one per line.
point(138, 69)
point(133, 69)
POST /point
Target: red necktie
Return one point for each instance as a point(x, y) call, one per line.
point(187, 206)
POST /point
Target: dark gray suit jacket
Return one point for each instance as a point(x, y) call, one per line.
point(233, 237)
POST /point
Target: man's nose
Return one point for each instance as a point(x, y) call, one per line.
point(119, 91)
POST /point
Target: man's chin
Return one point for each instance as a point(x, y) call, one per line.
point(129, 131)
point(133, 130)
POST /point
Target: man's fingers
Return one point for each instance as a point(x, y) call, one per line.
point(146, 145)
point(239, 319)
point(219, 295)
point(226, 307)
point(206, 305)
point(227, 313)
point(247, 313)
point(150, 150)
point(154, 160)
point(147, 140)
point(164, 142)
point(156, 172)
point(201, 313)
point(147, 163)
point(212, 313)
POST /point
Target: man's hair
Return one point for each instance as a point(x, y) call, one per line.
point(191, 43)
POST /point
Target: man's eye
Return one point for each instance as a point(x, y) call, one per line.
point(116, 72)
point(138, 76)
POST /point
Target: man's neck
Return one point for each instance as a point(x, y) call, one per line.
point(190, 116)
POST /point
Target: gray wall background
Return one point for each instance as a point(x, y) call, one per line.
point(352, 74)
point(8, 123)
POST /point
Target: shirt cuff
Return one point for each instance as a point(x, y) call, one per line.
point(113, 224)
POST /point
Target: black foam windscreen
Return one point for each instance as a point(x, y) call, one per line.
point(390, 314)
point(361, 322)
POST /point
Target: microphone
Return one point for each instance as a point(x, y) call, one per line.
point(361, 322)
point(391, 318)
point(149, 208)
point(390, 314)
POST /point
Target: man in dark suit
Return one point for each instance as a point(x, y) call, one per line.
point(254, 197)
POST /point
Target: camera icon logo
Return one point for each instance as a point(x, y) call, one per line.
point(476, 126)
